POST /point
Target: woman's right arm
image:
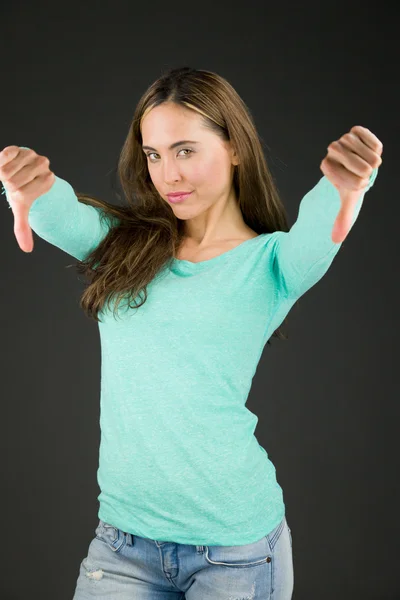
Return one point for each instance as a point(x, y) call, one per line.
point(59, 218)
point(54, 213)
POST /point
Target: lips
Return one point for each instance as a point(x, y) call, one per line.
point(178, 196)
point(181, 193)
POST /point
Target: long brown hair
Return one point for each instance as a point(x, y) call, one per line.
point(144, 235)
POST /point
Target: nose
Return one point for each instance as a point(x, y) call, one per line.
point(171, 172)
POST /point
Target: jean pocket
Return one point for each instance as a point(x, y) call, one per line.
point(110, 535)
point(247, 555)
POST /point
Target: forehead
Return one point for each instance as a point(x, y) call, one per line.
point(168, 122)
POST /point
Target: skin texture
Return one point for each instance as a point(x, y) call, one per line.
point(26, 176)
point(212, 215)
point(348, 165)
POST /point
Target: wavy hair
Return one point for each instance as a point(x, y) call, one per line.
point(145, 234)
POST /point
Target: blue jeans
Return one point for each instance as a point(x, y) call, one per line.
point(123, 566)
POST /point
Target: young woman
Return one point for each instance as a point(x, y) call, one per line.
point(188, 281)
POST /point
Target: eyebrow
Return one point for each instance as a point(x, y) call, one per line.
point(172, 145)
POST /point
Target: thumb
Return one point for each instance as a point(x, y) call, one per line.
point(22, 229)
point(344, 219)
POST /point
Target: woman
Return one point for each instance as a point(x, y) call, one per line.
point(190, 506)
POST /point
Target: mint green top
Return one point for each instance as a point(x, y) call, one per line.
point(178, 457)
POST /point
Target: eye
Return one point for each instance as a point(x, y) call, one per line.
point(183, 149)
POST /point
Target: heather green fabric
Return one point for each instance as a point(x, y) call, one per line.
point(178, 457)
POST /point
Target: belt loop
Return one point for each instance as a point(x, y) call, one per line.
point(129, 540)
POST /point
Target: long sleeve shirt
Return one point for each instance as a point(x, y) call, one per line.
point(178, 458)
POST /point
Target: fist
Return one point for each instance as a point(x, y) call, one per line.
point(26, 176)
point(348, 165)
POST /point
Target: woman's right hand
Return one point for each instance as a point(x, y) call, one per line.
point(26, 176)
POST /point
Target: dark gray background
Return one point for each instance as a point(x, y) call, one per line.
point(328, 398)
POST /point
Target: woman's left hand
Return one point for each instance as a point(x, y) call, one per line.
point(348, 166)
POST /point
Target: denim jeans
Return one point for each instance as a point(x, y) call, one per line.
point(123, 566)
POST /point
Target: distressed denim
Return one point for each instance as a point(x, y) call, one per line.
point(123, 566)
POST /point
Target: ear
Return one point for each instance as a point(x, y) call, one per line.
point(235, 158)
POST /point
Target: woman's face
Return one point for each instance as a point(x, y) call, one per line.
point(204, 165)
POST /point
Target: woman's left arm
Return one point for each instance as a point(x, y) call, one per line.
point(327, 212)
